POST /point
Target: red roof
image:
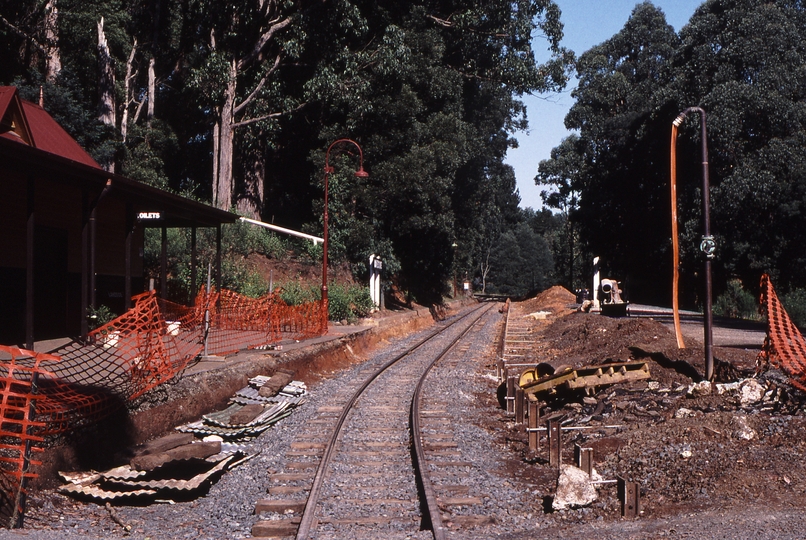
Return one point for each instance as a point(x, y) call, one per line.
point(46, 133)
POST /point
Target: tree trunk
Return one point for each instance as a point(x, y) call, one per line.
point(216, 146)
point(249, 200)
point(485, 269)
point(106, 85)
point(124, 119)
point(53, 62)
point(222, 177)
point(152, 91)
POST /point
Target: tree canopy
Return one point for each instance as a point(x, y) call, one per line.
point(742, 62)
point(235, 104)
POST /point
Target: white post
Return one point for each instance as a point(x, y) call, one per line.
point(596, 281)
point(372, 277)
point(375, 266)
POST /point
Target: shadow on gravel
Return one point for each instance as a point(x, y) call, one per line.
point(501, 394)
point(100, 444)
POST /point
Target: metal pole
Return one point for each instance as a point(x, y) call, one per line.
point(360, 173)
point(707, 245)
point(193, 264)
point(324, 313)
point(18, 515)
point(207, 310)
point(314, 239)
point(30, 239)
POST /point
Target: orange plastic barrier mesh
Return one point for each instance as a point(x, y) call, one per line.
point(20, 372)
point(149, 345)
point(784, 346)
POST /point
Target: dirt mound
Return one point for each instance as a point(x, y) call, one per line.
point(554, 299)
point(598, 338)
point(690, 448)
point(582, 339)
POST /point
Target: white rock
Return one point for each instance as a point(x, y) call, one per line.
point(727, 388)
point(702, 388)
point(574, 488)
point(752, 392)
point(743, 431)
point(685, 452)
point(682, 412)
point(653, 385)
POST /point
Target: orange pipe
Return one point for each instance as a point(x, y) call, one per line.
point(675, 245)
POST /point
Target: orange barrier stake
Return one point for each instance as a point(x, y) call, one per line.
point(675, 242)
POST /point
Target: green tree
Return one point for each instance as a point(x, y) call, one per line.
point(435, 120)
point(612, 180)
point(521, 263)
point(743, 62)
point(564, 174)
point(236, 104)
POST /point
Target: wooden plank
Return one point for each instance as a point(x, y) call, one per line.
point(280, 506)
point(275, 529)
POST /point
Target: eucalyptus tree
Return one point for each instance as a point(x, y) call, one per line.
point(435, 119)
point(744, 62)
point(613, 178)
point(30, 32)
point(564, 174)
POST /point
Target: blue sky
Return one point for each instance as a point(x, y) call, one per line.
point(587, 23)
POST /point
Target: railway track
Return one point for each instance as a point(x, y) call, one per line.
point(381, 459)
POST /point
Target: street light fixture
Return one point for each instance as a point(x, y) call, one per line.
point(360, 173)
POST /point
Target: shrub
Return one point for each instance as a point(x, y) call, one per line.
point(795, 304)
point(238, 241)
point(736, 303)
point(338, 299)
point(99, 317)
point(295, 293)
point(361, 301)
point(348, 302)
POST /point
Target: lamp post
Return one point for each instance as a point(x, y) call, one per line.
point(707, 245)
point(360, 173)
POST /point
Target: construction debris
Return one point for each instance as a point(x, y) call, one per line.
point(200, 450)
point(109, 486)
point(263, 395)
point(219, 423)
point(179, 462)
point(534, 381)
point(275, 383)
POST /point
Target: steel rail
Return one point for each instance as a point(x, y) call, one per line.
point(308, 515)
point(426, 487)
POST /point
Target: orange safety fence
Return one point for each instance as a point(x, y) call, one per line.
point(784, 346)
point(85, 381)
point(20, 372)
